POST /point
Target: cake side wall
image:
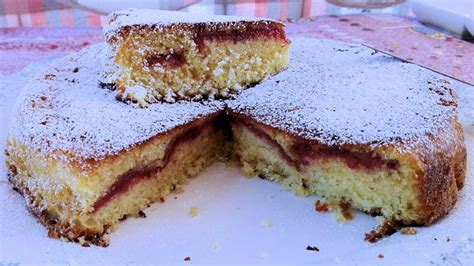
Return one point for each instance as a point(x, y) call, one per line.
point(443, 172)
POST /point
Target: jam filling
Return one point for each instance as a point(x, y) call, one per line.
point(263, 135)
point(250, 31)
point(171, 60)
point(303, 153)
point(135, 175)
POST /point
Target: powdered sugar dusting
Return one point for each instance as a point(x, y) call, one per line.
point(66, 110)
point(162, 18)
point(339, 93)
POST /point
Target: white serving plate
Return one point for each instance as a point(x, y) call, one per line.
point(240, 221)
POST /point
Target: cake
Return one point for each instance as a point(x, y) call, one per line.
point(379, 135)
point(84, 160)
point(166, 55)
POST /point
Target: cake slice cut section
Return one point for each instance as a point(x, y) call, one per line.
point(83, 160)
point(379, 135)
point(166, 55)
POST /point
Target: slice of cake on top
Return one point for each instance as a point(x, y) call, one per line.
point(165, 55)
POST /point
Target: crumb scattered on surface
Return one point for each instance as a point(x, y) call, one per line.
point(312, 248)
point(83, 242)
point(346, 210)
point(141, 214)
point(267, 224)
point(187, 258)
point(408, 231)
point(387, 229)
point(216, 246)
point(435, 238)
point(193, 211)
point(448, 239)
point(341, 211)
point(321, 206)
point(381, 256)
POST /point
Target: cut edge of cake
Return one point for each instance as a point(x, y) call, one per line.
point(82, 206)
point(168, 56)
point(414, 187)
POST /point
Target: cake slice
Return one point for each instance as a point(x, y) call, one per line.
point(378, 134)
point(83, 160)
point(166, 55)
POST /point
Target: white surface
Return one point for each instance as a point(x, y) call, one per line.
point(455, 15)
point(230, 226)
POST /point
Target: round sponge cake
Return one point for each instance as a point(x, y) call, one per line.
point(343, 122)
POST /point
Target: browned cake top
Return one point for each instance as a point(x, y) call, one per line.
point(338, 93)
point(66, 113)
point(156, 19)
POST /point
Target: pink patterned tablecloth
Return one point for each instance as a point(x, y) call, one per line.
point(401, 37)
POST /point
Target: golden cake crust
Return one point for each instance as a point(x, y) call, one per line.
point(121, 23)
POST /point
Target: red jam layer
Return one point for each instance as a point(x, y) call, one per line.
point(133, 176)
point(302, 153)
point(251, 31)
point(170, 60)
point(238, 122)
point(306, 153)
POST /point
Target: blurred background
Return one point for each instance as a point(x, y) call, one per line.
point(455, 16)
point(436, 34)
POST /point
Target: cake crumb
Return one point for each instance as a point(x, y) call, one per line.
point(341, 211)
point(381, 256)
point(83, 242)
point(141, 214)
point(312, 248)
point(193, 211)
point(388, 228)
point(346, 211)
point(408, 231)
point(448, 239)
point(216, 246)
point(267, 224)
point(187, 258)
point(321, 206)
